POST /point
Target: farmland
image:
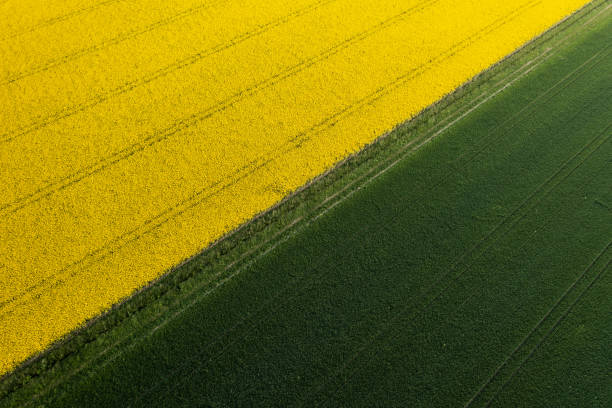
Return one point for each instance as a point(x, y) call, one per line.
point(136, 134)
point(463, 260)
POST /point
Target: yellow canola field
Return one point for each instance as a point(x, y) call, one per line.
point(135, 133)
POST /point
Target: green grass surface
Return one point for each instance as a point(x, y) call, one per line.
point(476, 270)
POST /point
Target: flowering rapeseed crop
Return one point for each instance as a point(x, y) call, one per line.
point(133, 134)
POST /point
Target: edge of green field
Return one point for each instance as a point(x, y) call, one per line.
point(214, 265)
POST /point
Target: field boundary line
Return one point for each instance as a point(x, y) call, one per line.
point(217, 340)
point(199, 197)
point(550, 93)
point(598, 14)
point(216, 280)
point(542, 320)
point(405, 152)
point(430, 138)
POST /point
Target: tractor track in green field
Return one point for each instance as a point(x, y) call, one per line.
point(604, 254)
